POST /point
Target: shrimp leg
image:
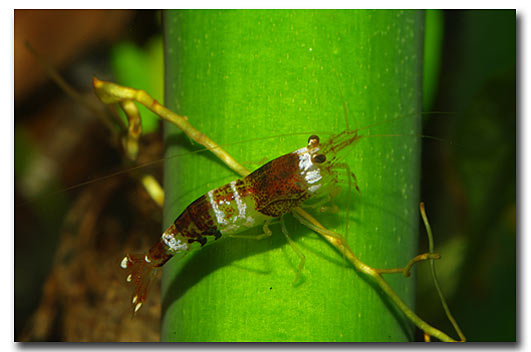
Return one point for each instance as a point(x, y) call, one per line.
point(295, 249)
point(265, 228)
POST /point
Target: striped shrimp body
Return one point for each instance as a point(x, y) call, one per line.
point(266, 194)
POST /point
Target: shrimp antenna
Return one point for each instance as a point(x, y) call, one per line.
point(397, 118)
point(345, 108)
point(425, 136)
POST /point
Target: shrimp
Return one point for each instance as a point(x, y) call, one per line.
point(271, 191)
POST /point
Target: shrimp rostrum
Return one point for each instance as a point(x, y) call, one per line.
point(268, 193)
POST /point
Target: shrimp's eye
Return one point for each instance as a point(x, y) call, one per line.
point(313, 141)
point(319, 158)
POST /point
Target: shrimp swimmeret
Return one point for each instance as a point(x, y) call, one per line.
point(271, 191)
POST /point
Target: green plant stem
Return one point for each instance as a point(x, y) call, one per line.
point(263, 73)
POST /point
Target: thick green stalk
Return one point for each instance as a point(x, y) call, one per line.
point(241, 75)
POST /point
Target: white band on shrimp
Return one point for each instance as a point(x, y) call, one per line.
point(172, 243)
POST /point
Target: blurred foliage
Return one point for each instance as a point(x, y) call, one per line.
point(67, 242)
point(433, 34)
point(469, 186)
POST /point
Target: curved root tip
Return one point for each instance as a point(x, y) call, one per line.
point(96, 82)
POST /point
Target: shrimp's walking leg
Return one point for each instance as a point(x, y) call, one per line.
point(295, 249)
point(332, 207)
point(265, 227)
point(350, 176)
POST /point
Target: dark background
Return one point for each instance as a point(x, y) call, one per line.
point(67, 283)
